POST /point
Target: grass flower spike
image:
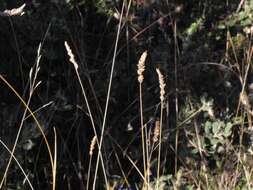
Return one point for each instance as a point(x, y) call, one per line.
point(92, 145)
point(141, 66)
point(71, 55)
point(161, 84)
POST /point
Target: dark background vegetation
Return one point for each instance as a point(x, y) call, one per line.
point(209, 49)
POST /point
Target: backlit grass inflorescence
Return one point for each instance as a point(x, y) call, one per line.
point(71, 55)
point(92, 145)
point(161, 84)
point(141, 66)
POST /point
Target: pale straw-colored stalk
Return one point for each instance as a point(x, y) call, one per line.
point(19, 165)
point(162, 97)
point(109, 93)
point(92, 147)
point(33, 85)
point(55, 160)
point(73, 61)
point(140, 71)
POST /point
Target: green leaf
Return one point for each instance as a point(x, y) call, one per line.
point(221, 26)
point(228, 130)
point(194, 151)
point(207, 128)
point(216, 127)
point(214, 142)
point(194, 27)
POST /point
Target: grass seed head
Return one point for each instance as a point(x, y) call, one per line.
point(161, 84)
point(92, 145)
point(156, 131)
point(71, 55)
point(141, 66)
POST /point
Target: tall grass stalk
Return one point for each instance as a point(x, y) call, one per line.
point(162, 95)
point(242, 70)
point(73, 61)
point(92, 146)
point(108, 95)
point(33, 85)
point(176, 53)
point(140, 70)
point(55, 160)
point(19, 165)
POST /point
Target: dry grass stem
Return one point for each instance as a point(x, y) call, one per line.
point(33, 86)
point(55, 160)
point(140, 70)
point(92, 147)
point(37, 124)
point(108, 94)
point(19, 165)
point(162, 97)
point(72, 60)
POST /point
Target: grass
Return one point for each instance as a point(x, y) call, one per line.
point(157, 130)
point(33, 85)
